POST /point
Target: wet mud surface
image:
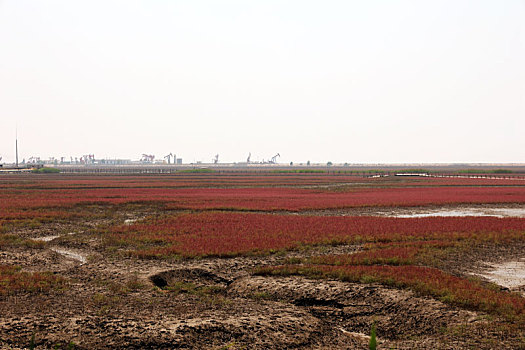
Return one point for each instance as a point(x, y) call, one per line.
point(509, 274)
point(494, 210)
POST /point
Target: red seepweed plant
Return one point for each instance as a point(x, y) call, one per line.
point(13, 280)
point(252, 191)
point(229, 234)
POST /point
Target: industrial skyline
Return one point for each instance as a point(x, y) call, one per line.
point(173, 159)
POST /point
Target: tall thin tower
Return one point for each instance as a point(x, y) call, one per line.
point(16, 145)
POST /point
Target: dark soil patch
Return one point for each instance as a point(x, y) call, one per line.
point(196, 276)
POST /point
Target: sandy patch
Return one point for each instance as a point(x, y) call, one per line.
point(510, 274)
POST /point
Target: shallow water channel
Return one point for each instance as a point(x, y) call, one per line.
point(495, 212)
point(70, 254)
point(62, 251)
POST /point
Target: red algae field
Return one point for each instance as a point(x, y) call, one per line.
point(260, 260)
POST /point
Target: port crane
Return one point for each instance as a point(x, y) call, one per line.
point(169, 158)
point(216, 159)
point(274, 158)
point(249, 156)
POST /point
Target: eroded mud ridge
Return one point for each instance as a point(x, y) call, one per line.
point(398, 313)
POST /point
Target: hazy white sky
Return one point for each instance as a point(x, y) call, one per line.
point(345, 81)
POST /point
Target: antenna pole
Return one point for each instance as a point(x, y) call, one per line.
point(16, 145)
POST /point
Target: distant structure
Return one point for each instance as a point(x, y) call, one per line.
point(169, 158)
point(216, 159)
point(16, 147)
point(176, 161)
point(34, 160)
point(87, 159)
point(274, 159)
point(249, 156)
point(147, 158)
point(114, 161)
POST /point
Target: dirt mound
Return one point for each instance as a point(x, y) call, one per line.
point(268, 325)
point(397, 313)
point(195, 276)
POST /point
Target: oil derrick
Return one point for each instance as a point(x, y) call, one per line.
point(274, 159)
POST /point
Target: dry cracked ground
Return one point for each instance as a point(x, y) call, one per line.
point(112, 301)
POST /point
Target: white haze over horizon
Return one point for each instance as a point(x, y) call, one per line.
point(341, 81)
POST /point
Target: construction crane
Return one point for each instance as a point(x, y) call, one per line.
point(249, 156)
point(215, 159)
point(274, 158)
point(147, 158)
point(169, 158)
